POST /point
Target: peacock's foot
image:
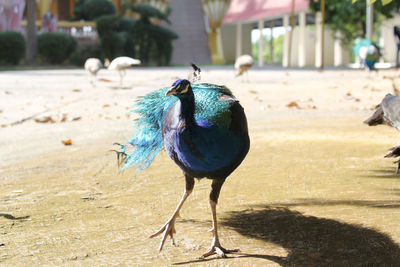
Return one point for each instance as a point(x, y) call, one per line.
point(219, 250)
point(167, 230)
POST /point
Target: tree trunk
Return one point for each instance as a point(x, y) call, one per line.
point(363, 25)
point(31, 31)
point(292, 24)
point(322, 33)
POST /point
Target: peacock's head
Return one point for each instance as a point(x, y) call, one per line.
point(180, 88)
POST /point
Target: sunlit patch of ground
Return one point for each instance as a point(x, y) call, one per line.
point(329, 199)
point(314, 190)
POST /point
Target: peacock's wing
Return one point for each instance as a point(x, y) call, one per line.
point(213, 104)
point(147, 139)
point(150, 109)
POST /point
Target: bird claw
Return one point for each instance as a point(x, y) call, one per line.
point(219, 250)
point(167, 230)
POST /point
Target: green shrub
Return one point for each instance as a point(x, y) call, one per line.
point(98, 8)
point(107, 24)
point(93, 9)
point(12, 47)
point(112, 45)
point(154, 41)
point(127, 25)
point(55, 47)
point(79, 10)
point(162, 38)
point(84, 52)
point(152, 44)
point(115, 37)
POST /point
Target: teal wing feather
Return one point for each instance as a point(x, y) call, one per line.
point(207, 106)
point(147, 140)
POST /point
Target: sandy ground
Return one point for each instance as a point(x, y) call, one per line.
point(314, 189)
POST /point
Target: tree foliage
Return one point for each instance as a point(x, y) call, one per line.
point(114, 33)
point(370, 2)
point(349, 18)
point(93, 9)
point(152, 39)
point(12, 47)
point(137, 38)
point(55, 47)
point(147, 11)
point(83, 52)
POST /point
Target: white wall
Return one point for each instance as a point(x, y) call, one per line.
point(310, 45)
point(387, 41)
point(228, 35)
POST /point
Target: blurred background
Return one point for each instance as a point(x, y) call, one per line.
point(315, 188)
point(288, 33)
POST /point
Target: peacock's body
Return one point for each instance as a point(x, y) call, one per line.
point(208, 146)
point(368, 53)
point(203, 129)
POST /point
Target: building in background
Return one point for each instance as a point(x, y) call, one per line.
point(304, 48)
point(211, 33)
point(11, 12)
point(244, 16)
point(187, 20)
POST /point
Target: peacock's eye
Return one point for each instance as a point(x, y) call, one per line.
point(185, 88)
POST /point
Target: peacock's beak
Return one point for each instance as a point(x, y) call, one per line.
point(171, 91)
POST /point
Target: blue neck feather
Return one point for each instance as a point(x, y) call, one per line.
point(187, 107)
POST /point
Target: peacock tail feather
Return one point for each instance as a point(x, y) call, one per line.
point(147, 139)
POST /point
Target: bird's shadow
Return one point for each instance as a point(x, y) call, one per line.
point(383, 174)
point(309, 240)
point(11, 217)
point(313, 241)
point(383, 204)
point(237, 255)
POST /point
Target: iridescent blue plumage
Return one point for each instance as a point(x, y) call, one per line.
point(204, 131)
point(151, 109)
point(367, 52)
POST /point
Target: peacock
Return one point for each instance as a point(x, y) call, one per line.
point(121, 64)
point(388, 112)
point(243, 64)
point(93, 65)
point(368, 52)
point(203, 129)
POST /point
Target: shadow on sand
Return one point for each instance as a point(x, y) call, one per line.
point(313, 241)
point(309, 240)
point(389, 173)
point(10, 217)
point(386, 204)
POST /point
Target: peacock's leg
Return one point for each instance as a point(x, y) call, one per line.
point(216, 247)
point(169, 227)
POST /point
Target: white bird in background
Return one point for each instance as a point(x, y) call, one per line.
point(243, 64)
point(120, 64)
point(93, 65)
